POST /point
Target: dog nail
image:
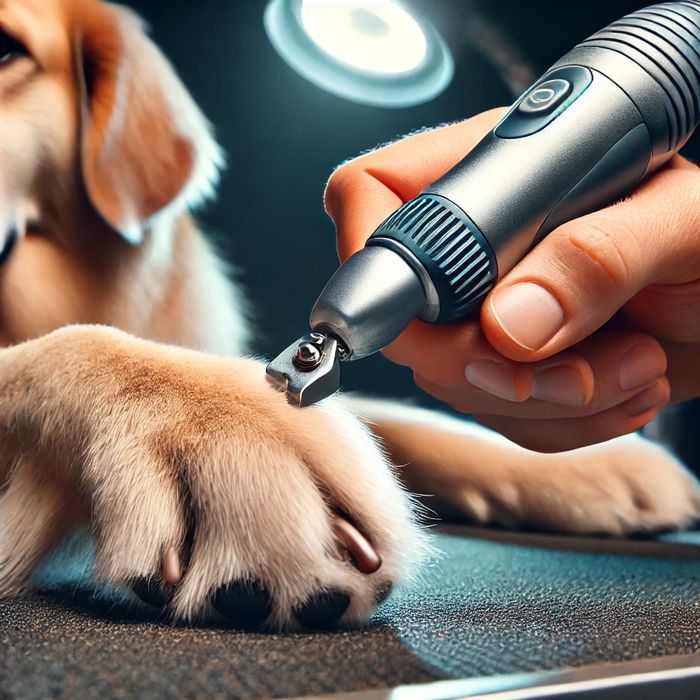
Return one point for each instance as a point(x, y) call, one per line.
point(383, 592)
point(172, 568)
point(244, 603)
point(151, 591)
point(323, 609)
point(364, 556)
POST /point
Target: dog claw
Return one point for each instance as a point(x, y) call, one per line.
point(244, 603)
point(172, 567)
point(364, 556)
point(323, 609)
point(152, 592)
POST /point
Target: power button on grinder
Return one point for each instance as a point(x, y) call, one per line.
point(545, 97)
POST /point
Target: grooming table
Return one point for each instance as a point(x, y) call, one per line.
point(495, 603)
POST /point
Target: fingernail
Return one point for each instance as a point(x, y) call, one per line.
point(641, 365)
point(493, 377)
point(172, 569)
point(528, 314)
point(653, 397)
point(560, 385)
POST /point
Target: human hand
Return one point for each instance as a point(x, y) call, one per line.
point(587, 337)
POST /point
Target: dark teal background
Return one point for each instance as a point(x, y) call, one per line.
point(284, 136)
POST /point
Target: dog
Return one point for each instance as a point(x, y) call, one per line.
point(128, 406)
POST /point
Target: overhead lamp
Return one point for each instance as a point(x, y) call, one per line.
point(375, 52)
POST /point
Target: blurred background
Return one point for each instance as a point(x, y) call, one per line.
point(284, 135)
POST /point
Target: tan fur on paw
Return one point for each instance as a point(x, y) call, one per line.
point(620, 488)
point(203, 483)
point(628, 485)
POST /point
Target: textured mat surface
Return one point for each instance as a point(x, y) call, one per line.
point(495, 603)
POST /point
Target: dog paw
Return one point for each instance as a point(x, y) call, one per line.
point(206, 493)
point(626, 486)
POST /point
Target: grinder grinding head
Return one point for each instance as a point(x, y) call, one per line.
point(308, 370)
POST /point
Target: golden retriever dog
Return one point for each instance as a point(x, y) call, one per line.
point(127, 407)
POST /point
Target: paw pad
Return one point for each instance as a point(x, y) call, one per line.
point(244, 603)
point(323, 609)
point(152, 592)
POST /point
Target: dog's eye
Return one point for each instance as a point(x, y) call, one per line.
point(10, 48)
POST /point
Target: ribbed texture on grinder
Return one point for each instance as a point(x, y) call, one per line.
point(664, 40)
point(458, 260)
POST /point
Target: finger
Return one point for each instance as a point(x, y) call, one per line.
point(363, 192)
point(571, 433)
point(441, 355)
point(683, 370)
point(671, 312)
point(571, 283)
point(603, 371)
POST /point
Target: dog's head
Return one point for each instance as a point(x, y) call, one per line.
point(98, 141)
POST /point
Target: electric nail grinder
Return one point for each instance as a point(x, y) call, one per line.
point(610, 112)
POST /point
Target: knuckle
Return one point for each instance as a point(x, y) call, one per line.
point(341, 179)
point(609, 249)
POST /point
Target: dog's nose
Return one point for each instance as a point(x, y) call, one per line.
point(8, 245)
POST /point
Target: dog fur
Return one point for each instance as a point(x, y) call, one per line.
point(161, 436)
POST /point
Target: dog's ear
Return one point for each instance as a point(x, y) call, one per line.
point(145, 145)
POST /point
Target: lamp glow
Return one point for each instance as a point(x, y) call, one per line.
point(373, 51)
point(378, 36)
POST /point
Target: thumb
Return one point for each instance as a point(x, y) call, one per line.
point(582, 273)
